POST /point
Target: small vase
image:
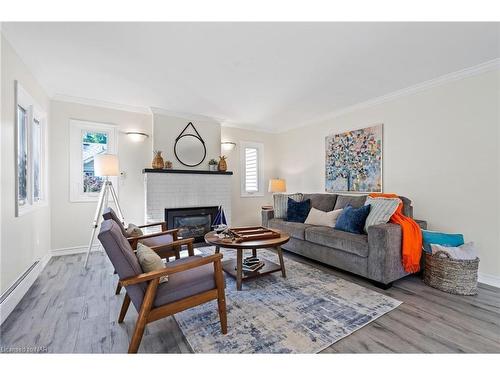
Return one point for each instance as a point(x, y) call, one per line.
point(212, 167)
point(222, 167)
point(157, 160)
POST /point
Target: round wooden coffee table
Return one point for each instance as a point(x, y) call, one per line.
point(235, 267)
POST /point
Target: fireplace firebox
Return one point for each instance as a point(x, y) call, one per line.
point(192, 221)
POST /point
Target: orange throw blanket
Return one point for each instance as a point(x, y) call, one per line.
point(412, 235)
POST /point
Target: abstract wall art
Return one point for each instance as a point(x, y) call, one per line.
point(353, 160)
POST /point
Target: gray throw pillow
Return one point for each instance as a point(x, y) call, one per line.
point(281, 203)
point(133, 231)
point(381, 210)
point(149, 260)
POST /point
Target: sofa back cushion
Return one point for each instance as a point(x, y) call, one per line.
point(355, 201)
point(123, 258)
point(322, 201)
point(281, 203)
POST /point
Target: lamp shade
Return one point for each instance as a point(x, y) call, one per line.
point(277, 185)
point(106, 165)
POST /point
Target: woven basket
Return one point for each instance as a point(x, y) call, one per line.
point(454, 276)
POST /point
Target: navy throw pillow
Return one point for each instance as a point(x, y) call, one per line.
point(353, 219)
point(298, 211)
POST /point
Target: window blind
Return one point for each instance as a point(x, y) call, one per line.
point(251, 170)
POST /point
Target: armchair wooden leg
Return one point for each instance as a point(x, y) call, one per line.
point(221, 296)
point(125, 305)
point(177, 253)
point(118, 288)
point(190, 249)
point(143, 316)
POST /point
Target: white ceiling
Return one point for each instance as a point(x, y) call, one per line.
point(273, 76)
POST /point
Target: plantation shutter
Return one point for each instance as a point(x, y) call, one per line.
point(251, 170)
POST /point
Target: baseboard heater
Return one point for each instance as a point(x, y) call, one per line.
point(5, 294)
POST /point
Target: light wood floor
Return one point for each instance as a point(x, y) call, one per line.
point(68, 310)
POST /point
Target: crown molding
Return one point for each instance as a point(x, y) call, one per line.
point(250, 128)
point(450, 77)
point(100, 103)
point(185, 115)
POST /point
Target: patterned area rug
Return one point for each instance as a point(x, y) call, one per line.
point(304, 313)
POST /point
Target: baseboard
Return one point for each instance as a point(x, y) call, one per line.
point(72, 250)
point(10, 302)
point(489, 279)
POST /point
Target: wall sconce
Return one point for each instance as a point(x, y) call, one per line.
point(227, 146)
point(136, 136)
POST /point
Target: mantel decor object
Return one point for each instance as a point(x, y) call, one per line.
point(168, 164)
point(222, 167)
point(158, 162)
point(190, 148)
point(212, 165)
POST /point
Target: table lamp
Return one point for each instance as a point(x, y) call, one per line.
point(277, 185)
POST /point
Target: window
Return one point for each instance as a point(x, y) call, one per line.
point(31, 156)
point(88, 139)
point(252, 177)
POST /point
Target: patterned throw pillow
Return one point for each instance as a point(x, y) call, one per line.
point(149, 260)
point(297, 211)
point(353, 219)
point(381, 210)
point(281, 203)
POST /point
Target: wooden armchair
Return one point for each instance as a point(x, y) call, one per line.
point(165, 243)
point(192, 281)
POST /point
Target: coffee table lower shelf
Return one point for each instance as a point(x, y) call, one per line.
point(229, 266)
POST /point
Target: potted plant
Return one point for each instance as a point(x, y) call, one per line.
point(212, 165)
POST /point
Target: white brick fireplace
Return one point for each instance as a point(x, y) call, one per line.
point(185, 188)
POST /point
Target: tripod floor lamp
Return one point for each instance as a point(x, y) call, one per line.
point(105, 165)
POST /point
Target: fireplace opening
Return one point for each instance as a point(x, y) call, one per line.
point(192, 221)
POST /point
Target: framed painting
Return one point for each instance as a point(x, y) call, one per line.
point(353, 161)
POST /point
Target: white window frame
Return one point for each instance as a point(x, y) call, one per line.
point(260, 170)
point(77, 128)
point(33, 111)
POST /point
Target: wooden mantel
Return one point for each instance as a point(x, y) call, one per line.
point(192, 171)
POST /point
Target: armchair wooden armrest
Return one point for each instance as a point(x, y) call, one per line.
point(178, 243)
point(163, 225)
point(148, 276)
point(134, 240)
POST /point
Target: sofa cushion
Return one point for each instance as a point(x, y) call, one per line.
point(352, 243)
point(186, 283)
point(295, 230)
point(355, 201)
point(322, 201)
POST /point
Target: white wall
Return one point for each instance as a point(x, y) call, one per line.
point(71, 222)
point(247, 210)
point(441, 149)
point(27, 238)
point(167, 128)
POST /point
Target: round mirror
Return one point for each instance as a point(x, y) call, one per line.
point(190, 150)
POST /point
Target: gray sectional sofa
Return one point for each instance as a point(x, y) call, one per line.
point(376, 255)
